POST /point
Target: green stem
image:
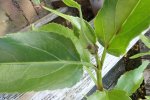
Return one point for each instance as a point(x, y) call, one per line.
point(103, 57)
point(98, 74)
point(99, 80)
point(99, 71)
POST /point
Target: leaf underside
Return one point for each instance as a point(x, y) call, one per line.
point(34, 61)
point(88, 33)
point(61, 30)
point(131, 81)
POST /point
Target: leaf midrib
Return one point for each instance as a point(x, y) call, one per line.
point(65, 48)
point(52, 62)
point(123, 23)
point(130, 13)
point(44, 51)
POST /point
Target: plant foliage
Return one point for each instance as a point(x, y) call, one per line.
point(53, 56)
point(109, 95)
point(132, 80)
point(146, 41)
point(119, 21)
point(37, 61)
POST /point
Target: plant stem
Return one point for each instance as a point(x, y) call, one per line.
point(99, 71)
point(103, 57)
point(99, 80)
point(98, 74)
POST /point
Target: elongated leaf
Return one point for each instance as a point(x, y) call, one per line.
point(89, 34)
point(59, 29)
point(74, 20)
point(119, 21)
point(145, 40)
point(131, 80)
point(140, 55)
point(34, 61)
point(72, 3)
point(109, 95)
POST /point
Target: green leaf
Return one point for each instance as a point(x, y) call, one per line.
point(74, 20)
point(72, 3)
point(34, 61)
point(98, 96)
point(131, 80)
point(36, 2)
point(140, 55)
point(89, 34)
point(61, 30)
point(145, 40)
point(84, 26)
point(109, 95)
point(119, 21)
